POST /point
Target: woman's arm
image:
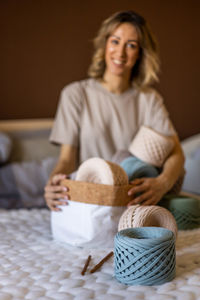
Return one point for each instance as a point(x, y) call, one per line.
point(173, 166)
point(153, 189)
point(67, 160)
point(65, 165)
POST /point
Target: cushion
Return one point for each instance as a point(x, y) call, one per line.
point(191, 182)
point(191, 148)
point(31, 145)
point(5, 147)
point(191, 144)
point(197, 153)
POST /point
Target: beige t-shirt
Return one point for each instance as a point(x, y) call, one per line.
point(99, 122)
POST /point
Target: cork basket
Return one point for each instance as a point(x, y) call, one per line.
point(100, 194)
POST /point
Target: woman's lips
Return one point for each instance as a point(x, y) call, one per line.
point(118, 62)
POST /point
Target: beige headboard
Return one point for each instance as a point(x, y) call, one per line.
point(25, 124)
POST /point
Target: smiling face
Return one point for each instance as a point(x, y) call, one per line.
point(122, 51)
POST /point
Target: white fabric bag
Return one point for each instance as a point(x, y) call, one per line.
point(90, 225)
point(86, 225)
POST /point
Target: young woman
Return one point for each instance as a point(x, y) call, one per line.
point(102, 114)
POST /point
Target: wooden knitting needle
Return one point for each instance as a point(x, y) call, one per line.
point(101, 262)
point(86, 265)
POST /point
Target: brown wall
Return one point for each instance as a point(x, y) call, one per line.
point(46, 44)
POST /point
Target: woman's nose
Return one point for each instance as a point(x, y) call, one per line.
point(121, 50)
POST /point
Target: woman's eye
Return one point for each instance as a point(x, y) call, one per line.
point(133, 46)
point(115, 42)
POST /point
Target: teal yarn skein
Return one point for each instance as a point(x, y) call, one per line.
point(185, 210)
point(136, 168)
point(144, 256)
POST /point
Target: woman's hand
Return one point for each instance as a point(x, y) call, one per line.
point(55, 194)
point(147, 191)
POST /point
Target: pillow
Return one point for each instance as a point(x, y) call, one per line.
point(22, 183)
point(191, 144)
point(197, 153)
point(191, 182)
point(191, 148)
point(31, 145)
point(5, 147)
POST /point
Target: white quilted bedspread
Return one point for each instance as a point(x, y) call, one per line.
point(33, 266)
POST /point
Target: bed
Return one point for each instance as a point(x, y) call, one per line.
point(34, 266)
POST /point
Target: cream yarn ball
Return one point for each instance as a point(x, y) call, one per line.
point(98, 170)
point(151, 146)
point(147, 216)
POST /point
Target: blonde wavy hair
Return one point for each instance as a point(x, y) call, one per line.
point(146, 69)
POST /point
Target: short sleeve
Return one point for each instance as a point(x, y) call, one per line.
point(66, 127)
point(157, 116)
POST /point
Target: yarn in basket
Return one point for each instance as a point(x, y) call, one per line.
point(98, 170)
point(144, 256)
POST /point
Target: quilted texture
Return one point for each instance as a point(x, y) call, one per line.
point(35, 267)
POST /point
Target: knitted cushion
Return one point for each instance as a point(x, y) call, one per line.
point(144, 256)
point(152, 215)
point(97, 170)
point(135, 168)
point(151, 146)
